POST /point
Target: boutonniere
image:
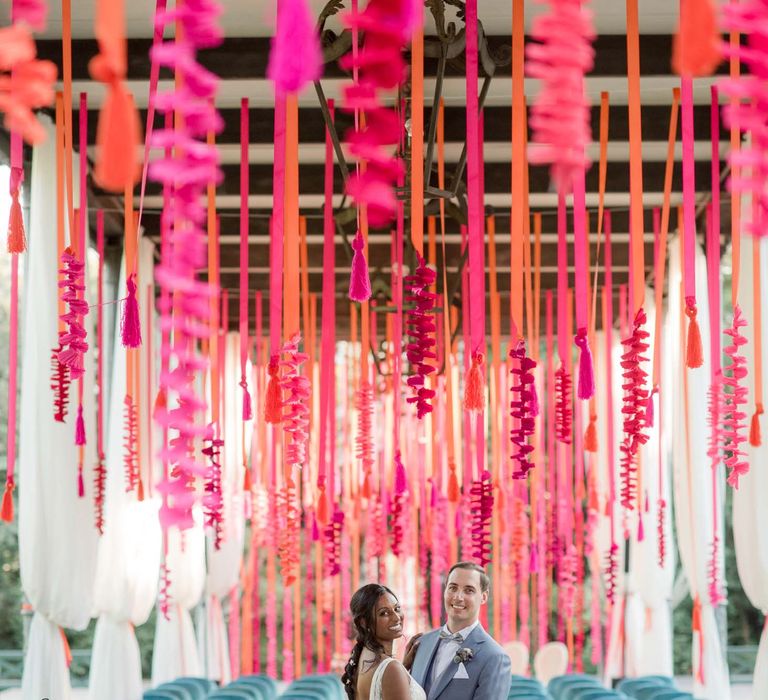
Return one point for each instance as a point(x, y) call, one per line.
point(463, 655)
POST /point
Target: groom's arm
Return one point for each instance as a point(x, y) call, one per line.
point(495, 679)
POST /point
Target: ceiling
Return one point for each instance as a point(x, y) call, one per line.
point(241, 64)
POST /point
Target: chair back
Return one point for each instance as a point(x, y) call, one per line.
point(550, 661)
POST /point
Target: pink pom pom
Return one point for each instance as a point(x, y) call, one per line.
point(296, 57)
point(421, 327)
point(359, 279)
point(130, 324)
point(482, 512)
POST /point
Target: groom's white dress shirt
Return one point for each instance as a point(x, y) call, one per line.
point(447, 650)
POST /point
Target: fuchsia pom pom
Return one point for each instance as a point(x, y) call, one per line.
point(130, 325)
point(586, 388)
point(296, 57)
point(80, 427)
point(359, 278)
point(563, 408)
point(734, 415)
point(482, 512)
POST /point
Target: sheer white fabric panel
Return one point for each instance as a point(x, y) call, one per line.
point(57, 537)
point(115, 661)
point(692, 474)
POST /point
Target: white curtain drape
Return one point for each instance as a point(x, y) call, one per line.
point(750, 519)
point(57, 537)
point(224, 564)
point(692, 473)
point(130, 548)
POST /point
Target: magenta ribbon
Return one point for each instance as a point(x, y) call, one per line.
point(276, 244)
point(586, 386)
point(244, 232)
point(689, 194)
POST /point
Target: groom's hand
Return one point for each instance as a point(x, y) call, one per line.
point(410, 651)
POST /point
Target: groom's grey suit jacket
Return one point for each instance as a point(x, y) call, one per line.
point(489, 670)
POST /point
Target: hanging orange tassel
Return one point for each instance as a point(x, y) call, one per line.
point(755, 437)
point(696, 46)
point(694, 352)
point(365, 492)
point(247, 481)
point(17, 241)
point(453, 485)
point(6, 512)
point(161, 403)
point(322, 508)
point(273, 408)
point(140, 490)
point(590, 436)
point(474, 388)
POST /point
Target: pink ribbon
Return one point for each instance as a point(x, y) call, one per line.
point(244, 231)
point(689, 193)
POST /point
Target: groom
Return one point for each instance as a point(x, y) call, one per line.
point(461, 661)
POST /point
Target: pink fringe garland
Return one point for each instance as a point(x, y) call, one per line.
point(196, 164)
point(563, 408)
point(333, 543)
point(99, 486)
point(59, 385)
point(288, 521)
point(130, 456)
point(482, 512)
point(560, 114)
point(734, 430)
point(398, 507)
point(420, 322)
point(213, 501)
point(522, 407)
point(73, 341)
point(364, 440)
point(634, 407)
point(295, 390)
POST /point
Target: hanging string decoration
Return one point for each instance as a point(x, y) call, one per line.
point(734, 428)
point(26, 83)
point(359, 278)
point(295, 389)
point(188, 169)
point(364, 439)
point(420, 321)
point(522, 410)
point(661, 532)
point(714, 580)
point(747, 111)
point(611, 573)
point(634, 407)
point(566, 578)
point(560, 115)
point(481, 495)
point(73, 343)
point(213, 500)
point(332, 539)
point(288, 518)
point(130, 455)
point(99, 488)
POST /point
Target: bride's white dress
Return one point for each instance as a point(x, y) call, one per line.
point(417, 693)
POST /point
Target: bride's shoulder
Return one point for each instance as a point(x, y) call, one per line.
point(395, 679)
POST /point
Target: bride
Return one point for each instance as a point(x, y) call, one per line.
point(372, 672)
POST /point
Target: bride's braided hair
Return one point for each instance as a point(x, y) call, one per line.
point(363, 609)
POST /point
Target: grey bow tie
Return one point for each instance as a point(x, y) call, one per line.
point(451, 637)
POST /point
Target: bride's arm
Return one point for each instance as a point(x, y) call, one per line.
point(396, 683)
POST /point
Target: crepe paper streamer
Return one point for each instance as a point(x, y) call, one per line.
point(289, 518)
point(244, 227)
point(586, 386)
point(560, 115)
point(73, 341)
point(130, 455)
point(359, 280)
point(213, 501)
point(295, 388)
point(634, 407)
point(736, 397)
point(119, 130)
point(611, 573)
point(332, 536)
point(377, 66)
point(563, 408)
point(60, 381)
point(184, 253)
point(17, 242)
point(420, 321)
point(29, 83)
point(745, 113)
point(522, 410)
point(295, 57)
point(6, 510)
point(696, 49)
point(481, 503)
point(474, 386)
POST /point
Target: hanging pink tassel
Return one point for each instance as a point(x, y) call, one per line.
point(734, 415)
point(6, 511)
point(295, 58)
point(755, 437)
point(398, 507)
point(359, 279)
point(273, 406)
point(247, 410)
point(80, 427)
point(694, 355)
point(586, 388)
point(474, 386)
point(80, 484)
point(130, 324)
point(401, 478)
point(17, 241)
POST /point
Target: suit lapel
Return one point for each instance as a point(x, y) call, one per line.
point(423, 662)
point(473, 642)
